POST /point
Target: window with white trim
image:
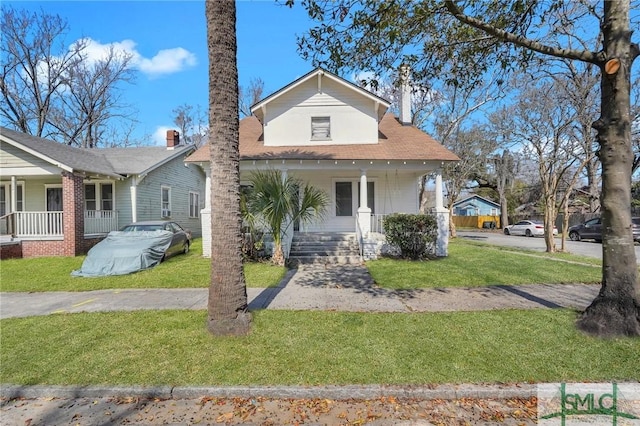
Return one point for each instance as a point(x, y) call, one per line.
point(106, 196)
point(5, 198)
point(194, 204)
point(344, 199)
point(320, 128)
point(165, 201)
point(90, 196)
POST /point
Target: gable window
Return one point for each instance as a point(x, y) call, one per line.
point(344, 199)
point(194, 204)
point(320, 128)
point(165, 201)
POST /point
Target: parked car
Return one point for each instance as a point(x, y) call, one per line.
point(589, 230)
point(529, 228)
point(592, 230)
point(180, 242)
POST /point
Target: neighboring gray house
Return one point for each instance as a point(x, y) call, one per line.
point(60, 200)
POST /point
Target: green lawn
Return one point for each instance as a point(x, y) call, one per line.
point(311, 348)
point(474, 265)
point(468, 264)
point(182, 271)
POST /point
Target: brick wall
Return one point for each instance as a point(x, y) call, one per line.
point(39, 248)
point(11, 250)
point(73, 219)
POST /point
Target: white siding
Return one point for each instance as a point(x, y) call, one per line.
point(394, 193)
point(288, 117)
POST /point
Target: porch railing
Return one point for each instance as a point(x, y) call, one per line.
point(377, 223)
point(38, 224)
point(100, 221)
point(359, 238)
point(8, 224)
point(50, 224)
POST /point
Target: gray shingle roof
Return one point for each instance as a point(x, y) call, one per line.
point(116, 162)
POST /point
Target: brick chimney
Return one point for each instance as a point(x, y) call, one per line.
point(173, 139)
point(405, 95)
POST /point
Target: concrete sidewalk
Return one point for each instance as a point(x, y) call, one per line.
point(335, 287)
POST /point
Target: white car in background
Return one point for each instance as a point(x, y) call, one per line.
point(529, 228)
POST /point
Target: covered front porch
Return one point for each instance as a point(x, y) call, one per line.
point(48, 216)
point(361, 194)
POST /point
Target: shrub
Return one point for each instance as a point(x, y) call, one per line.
point(414, 234)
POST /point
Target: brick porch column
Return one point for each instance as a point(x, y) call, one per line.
point(73, 213)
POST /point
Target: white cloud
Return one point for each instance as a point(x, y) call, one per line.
point(159, 137)
point(166, 61)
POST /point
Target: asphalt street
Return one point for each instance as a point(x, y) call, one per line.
point(587, 248)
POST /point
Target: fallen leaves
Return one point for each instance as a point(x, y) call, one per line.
point(271, 412)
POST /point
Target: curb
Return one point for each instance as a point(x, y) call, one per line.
point(523, 390)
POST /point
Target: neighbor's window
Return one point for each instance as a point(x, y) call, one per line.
point(5, 198)
point(106, 196)
point(165, 201)
point(194, 204)
point(90, 196)
point(320, 128)
point(344, 203)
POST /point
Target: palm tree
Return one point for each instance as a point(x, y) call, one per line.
point(280, 201)
point(228, 312)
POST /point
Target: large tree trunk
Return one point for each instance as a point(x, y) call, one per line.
point(228, 312)
point(549, 221)
point(504, 210)
point(616, 309)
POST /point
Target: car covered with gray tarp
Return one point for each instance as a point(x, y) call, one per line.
point(123, 253)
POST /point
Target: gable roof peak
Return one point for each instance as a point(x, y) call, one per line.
point(258, 108)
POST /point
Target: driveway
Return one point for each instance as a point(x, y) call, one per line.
point(581, 248)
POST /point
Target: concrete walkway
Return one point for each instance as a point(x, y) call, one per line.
point(332, 288)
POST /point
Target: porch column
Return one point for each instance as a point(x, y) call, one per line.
point(14, 196)
point(134, 199)
point(73, 213)
point(442, 217)
point(364, 212)
point(205, 214)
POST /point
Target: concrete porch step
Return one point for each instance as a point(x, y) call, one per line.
point(325, 248)
point(325, 260)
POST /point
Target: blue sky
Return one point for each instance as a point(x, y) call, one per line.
point(168, 41)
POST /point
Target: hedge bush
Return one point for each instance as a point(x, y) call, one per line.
point(413, 234)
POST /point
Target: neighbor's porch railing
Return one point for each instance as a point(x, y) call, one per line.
point(100, 221)
point(38, 224)
point(50, 224)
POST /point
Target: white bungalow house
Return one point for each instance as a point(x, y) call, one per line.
point(60, 200)
point(340, 138)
